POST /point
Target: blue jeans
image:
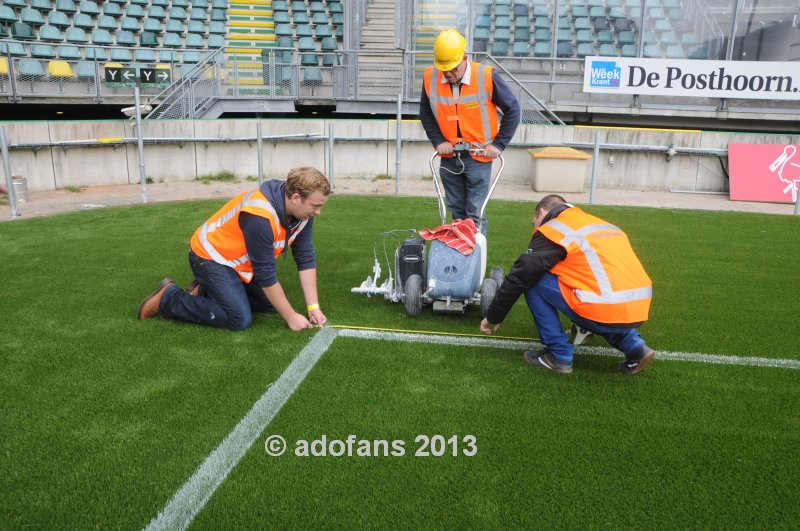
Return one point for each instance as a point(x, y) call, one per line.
point(466, 183)
point(224, 301)
point(545, 301)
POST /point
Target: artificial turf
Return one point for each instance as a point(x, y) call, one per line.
point(104, 417)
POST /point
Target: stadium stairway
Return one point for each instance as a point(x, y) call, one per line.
point(251, 30)
point(378, 35)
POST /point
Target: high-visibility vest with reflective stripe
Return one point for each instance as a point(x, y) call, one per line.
point(601, 278)
point(473, 112)
point(220, 239)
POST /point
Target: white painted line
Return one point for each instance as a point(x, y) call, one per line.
point(195, 493)
point(591, 350)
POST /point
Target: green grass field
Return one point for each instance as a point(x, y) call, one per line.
point(105, 417)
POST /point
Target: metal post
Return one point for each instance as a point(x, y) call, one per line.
point(797, 202)
point(140, 141)
point(398, 144)
point(595, 159)
point(260, 147)
point(330, 153)
point(12, 196)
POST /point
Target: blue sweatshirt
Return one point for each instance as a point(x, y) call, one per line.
point(259, 239)
point(502, 97)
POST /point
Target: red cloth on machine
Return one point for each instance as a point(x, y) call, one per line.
point(460, 235)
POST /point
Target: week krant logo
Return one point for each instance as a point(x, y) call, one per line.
point(605, 74)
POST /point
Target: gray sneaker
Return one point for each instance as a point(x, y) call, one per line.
point(545, 360)
point(639, 362)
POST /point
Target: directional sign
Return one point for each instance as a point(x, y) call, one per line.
point(122, 76)
point(157, 76)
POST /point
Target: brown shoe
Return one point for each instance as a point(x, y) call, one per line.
point(150, 305)
point(193, 289)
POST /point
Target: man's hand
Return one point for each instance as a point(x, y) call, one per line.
point(298, 322)
point(445, 148)
point(487, 327)
point(316, 317)
point(491, 151)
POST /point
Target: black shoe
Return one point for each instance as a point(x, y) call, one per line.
point(638, 363)
point(545, 360)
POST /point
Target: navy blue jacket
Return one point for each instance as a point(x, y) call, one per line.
point(259, 239)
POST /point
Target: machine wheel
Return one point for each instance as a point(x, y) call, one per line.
point(412, 297)
point(498, 276)
point(488, 291)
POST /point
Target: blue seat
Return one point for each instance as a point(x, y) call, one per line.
point(653, 51)
point(101, 36)
point(95, 53)
point(335, 7)
point(65, 6)
point(50, 34)
point(626, 37)
point(89, 7)
point(191, 56)
point(178, 13)
point(563, 36)
point(122, 55)
point(217, 28)
point(145, 55)
point(605, 37)
point(76, 35)
point(126, 38)
point(298, 5)
point(480, 34)
point(522, 35)
point(153, 24)
point(175, 26)
point(85, 71)
point(22, 31)
point(500, 48)
point(57, 19)
point(196, 27)
point(66, 51)
point(309, 59)
point(502, 35)
point(31, 17)
point(216, 41)
point(585, 49)
point(319, 18)
point(135, 11)
point(160, 3)
point(221, 4)
point(597, 12)
point(698, 52)
point(312, 76)
point(579, 12)
point(180, 3)
point(111, 9)
point(280, 5)
point(168, 56)
point(15, 49)
point(628, 50)
point(7, 14)
point(130, 24)
point(323, 30)
point(521, 49)
point(106, 22)
point(502, 22)
point(148, 38)
point(564, 49)
point(219, 15)
point(285, 42)
point(304, 30)
point(156, 12)
point(31, 68)
point(337, 19)
point(172, 40)
point(543, 35)
point(43, 51)
point(317, 7)
point(584, 36)
point(306, 44)
point(675, 51)
point(194, 40)
point(197, 14)
point(608, 50)
point(82, 20)
point(300, 18)
point(281, 17)
point(522, 22)
point(583, 23)
point(203, 4)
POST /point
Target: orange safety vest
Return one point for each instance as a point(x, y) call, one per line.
point(473, 112)
point(220, 239)
point(601, 278)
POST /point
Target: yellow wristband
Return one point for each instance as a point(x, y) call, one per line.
point(312, 307)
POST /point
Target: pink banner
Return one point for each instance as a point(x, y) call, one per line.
point(764, 172)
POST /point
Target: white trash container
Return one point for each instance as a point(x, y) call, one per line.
point(559, 169)
point(20, 188)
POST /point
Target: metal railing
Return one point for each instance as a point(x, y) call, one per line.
point(193, 93)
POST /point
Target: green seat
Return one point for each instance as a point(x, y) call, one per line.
point(597, 12)
point(335, 7)
point(284, 29)
point(564, 36)
point(194, 40)
point(277, 5)
point(330, 59)
point(281, 17)
point(319, 18)
point(670, 38)
point(501, 11)
point(653, 51)
point(223, 4)
point(522, 22)
point(202, 4)
point(663, 25)
point(145, 55)
point(58, 19)
point(126, 38)
point(502, 22)
point(628, 50)
point(605, 37)
point(22, 31)
point(3, 32)
point(101, 36)
point(699, 52)
point(43, 51)
point(502, 34)
point(543, 35)
point(306, 44)
point(31, 17)
point(107, 22)
point(50, 34)
point(617, 12)
point(583, 23)
point(285, 42)
point(89, 7)
point(148, 38)
point(483, 22)
point(480, 34)
point(579, 12)
point(317, 7)
point(626, 37)
point(121, 55)
point(180, 3)
point(216, 28)
point(675, 51)
point(584, 36)
point(298, 5)
point(300, 18)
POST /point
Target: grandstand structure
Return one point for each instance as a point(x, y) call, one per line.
point(246, 57)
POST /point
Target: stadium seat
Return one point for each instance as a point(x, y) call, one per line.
point(585, 49)
point(154, 25)
point(627, 37)
point(628, 50)
point(579, 12)
point(179, 13)
point(194, 41)
point(583, 23)
point(198, 14)
point(85, 71)
point(110, 9)
point(300, 18)
point(280, 5)
point(7, 15)
point(540, 11)
point(106, 22)
point(89, 7)
point(160, 3)
point(312, 77)
point(95, 53)
point(122, 55)
point(196, 27)
point(83, 21)
point(675, 51)
point(180, 3)
point(50, 34)
point(101, 36)
point(499, 48)
point(335, 7)
point(202, 4)
point(15, 3)
point(564, 49)
point(502, 11)
point(663, 25)
point(135, 11)
point(584, 36)
point(323, 30)
point(175, 26)
point(172, 40)
point(43, 51)
point(521, 49)
point(30, 68)
point(306, 44)
point(309, 59)
point(145, 55)
point(31, 17)
point(699, 52)
point(76, 35)
point(480, 34)
point(156, 12)
point(669, 38)
point(483, 22)
point(564, 36)
point(148, 38)
point(316, 7)
point(130, 24)
point(60, 70)
point(521, 10)
point(337, 19)
point(219, 15)
point(605, 37)
point(168, 56)
point(544, 23)
point(675, 14)
point(652, 51)
point(58, 19)
point(522, 35)
point(608, 50)
point(502, 22)
point(15, 49)
point(502, 34)
point(622, 24)
point(126, 38)
point(66, 6)
point(140, 3)
point(304, 30)
point(66, 51)
point(616, 12)
point(216, 41)
point(281, 17)
point(601, 24)
point(319, 18)
point(298, 5)
point(191, 56)
point(22, 31)
point(284, 29)
point(689, 39)
point(522, 22)
point(216, 28)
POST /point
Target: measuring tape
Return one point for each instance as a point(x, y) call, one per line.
point(430, 332)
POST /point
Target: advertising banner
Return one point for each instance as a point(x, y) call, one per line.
point(688, 77)
point(764, 172)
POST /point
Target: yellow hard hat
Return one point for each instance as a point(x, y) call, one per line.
point(448, 50)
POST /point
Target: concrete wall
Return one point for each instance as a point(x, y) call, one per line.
point(57, 167)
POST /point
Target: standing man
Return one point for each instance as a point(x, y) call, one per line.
point(233, 258)
point(584, 267)
point(459, 109)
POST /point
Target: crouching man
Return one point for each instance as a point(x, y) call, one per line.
point(233, 258)
point(585, 268)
